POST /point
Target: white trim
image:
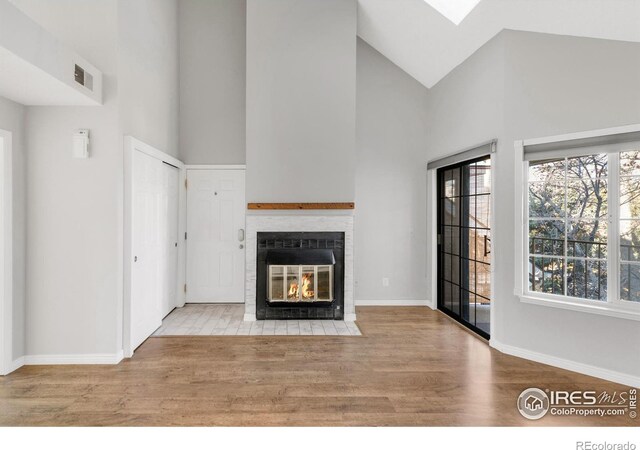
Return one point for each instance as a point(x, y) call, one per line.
point(593, 307)
point(6, 254)
point(432, 235)
point(520, 224)
point(613, 230)
point(393, 302)
point(182, 242)
point(95, 358)
point(573, 366)
point(492, 254)
point(132, 144)
point(15, 365)
point(582, 135)
point(215, 167)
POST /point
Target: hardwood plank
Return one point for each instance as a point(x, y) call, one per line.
point(399, 373)
point(273, 206)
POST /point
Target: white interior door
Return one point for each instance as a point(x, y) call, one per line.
point(169, 237)
point(147, 247)
point(215, 235)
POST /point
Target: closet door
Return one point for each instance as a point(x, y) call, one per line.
point(147, 247)
point(169, 237)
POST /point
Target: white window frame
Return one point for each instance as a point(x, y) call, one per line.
point(614, 306)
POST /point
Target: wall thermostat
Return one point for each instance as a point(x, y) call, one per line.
point(81, 144)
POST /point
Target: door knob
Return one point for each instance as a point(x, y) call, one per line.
point(135, 259)
point(241, 235)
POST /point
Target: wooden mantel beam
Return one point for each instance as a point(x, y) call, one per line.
point(266, 206)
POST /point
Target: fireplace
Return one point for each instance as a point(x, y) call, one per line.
point(300, 275)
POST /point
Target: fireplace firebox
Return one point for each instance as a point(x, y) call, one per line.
point(300, 275)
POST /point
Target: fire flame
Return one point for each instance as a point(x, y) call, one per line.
point(307, 291)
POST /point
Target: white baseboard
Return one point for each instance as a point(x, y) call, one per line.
point(249, 318)
point(349, 317)
point(393, 303)
point(95, 358)
point(15, 365)
point(585, 369)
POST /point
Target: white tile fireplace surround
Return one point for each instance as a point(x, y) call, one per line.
point(297, 221)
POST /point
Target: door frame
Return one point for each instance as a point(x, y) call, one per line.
point(131, 145)
point(7, 364)
point(432, 240)
point(188, 167)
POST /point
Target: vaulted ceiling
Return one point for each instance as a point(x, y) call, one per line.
point(427, 45)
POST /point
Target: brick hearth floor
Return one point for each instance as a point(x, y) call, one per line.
point(227, 320)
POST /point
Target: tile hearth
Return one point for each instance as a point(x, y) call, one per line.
point(227, 320)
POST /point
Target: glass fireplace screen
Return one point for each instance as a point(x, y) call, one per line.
point(300, 283)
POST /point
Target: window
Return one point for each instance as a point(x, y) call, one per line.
point(568, 226)
point(582, 223)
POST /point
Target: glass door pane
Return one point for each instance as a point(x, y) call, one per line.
point(293, 288)
point(307, 283)
point(464, 243)
point(276, 283)
point(324, 284)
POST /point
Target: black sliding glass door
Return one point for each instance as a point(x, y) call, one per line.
point(464, 243)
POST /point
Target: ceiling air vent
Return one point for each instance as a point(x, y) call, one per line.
point(84, 78)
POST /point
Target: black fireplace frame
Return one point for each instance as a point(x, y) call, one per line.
point(300, 242)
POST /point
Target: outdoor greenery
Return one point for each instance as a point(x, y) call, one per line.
point(568, 206)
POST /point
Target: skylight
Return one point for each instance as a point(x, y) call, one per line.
point(454, 10)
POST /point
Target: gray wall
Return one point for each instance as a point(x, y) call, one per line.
point(301, 93)
point(12, 118)
point(148, 71)
point(466, 108)
point(212, 81)
point(560, 85)
point(391, 126)
point(75, 207)
point(73, 224)
point(523, 85)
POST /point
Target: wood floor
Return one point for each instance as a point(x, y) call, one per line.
point(412, 366)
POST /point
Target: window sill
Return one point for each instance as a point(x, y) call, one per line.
point(603, 310)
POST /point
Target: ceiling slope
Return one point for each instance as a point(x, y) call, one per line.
point(427, 46)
